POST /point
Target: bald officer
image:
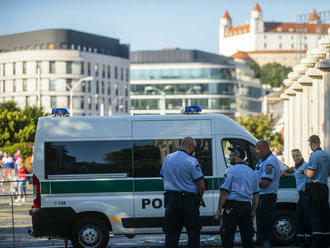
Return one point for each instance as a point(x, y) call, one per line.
point(236, 193)
point(317, 193)
point(268, 174)
point(184, 186)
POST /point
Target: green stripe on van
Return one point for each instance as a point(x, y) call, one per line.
point(127, 185)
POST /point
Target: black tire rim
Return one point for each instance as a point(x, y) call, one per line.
point(284, 228)
point(89, 236)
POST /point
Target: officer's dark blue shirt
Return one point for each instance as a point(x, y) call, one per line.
point(269, 168)
point(180, 171)
point(240, 182)
point(319, 161)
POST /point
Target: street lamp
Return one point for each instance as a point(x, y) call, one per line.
point(73, 87)
point(162, 100)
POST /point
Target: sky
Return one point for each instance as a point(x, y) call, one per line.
point(147, 24)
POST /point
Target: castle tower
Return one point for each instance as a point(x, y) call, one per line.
point(225, 24)
point(314, 17)
point(256, 21)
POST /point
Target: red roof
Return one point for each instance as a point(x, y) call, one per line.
point(283, 27)
point(275, 51)
point(241, 55)
point(226, 15)
point(257, 8)
point(314, 16)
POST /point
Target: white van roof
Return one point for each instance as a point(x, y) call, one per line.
point(196, 125)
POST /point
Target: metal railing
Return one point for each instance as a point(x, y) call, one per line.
point(15, 221)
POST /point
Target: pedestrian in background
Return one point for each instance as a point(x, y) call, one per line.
point(184, 186)
point(303, 230)
point(21, 177)
point(236, 193)
point(317, 193)
point(268, 174)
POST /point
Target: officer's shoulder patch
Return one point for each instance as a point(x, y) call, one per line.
point(269, 170)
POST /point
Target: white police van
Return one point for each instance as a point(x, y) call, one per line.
point(96, 175)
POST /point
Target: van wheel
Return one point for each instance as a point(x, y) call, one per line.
point(284, 230)
point(90, 232)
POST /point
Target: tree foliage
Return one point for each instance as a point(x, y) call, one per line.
point(272, 74)
point(261, 127)
point(17, 126)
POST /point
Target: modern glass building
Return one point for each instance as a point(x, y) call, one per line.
point(164, 81)
point(47, 68)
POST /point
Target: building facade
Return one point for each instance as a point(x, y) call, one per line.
point(266, 42)
point(307, 101)
point(164, 81)
point(46, 67)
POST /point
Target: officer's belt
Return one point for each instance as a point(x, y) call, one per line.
point(230, 203)
point(271, 196)
point(181, 193)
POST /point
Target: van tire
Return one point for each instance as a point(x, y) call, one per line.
point(90, 232)
point(283, 228)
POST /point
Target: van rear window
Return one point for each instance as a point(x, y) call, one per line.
point(138, 158)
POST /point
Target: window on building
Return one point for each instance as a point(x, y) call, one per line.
point(280, 45)
point(51, 85)
point(14, 68)
point(51, 46)
point(89, 68)
point(78, 47)
point(51, 66)
point(126, 106)
point(109, 101)
point(68, 84)
point(116, 72)
point(38, 66)
point(89, 101)
point(109, 71)
point(116, 88)
point(24, 84)
point(305, 46)
point(127, 75)
point(122, 74)
point(14, 85)
point(280, 37)
point(83, 86)
point(126, 90)
point(82, 68)
point(64, 45)
point(109, 88)
point(292, 46)
point(68, 102)
point(82, 99)
point(117, 107)
point(96, 102)
point(89, 88)
point(24, 67)
point(3, 69)
point(265, 45)
point(3, 86)
point(96, 69)
point(53, 101)
point(97, 86)
point(27, 101)
point(68, 67)
point(89, 157)
point(103, 71)
point(102, 87)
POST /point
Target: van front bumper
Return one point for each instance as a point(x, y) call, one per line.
point(52, 222)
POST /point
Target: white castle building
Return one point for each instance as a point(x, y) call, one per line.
point(265, 42)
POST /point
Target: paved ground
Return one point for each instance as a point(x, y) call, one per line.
point(15, 222)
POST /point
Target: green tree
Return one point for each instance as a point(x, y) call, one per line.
point(274, 74)
point(261, 127)
point(9, 105)
point(256, 69)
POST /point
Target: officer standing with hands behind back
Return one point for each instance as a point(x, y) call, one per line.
point(184, 186)
point(268, 174)
point(317, 193)
point(236, 193)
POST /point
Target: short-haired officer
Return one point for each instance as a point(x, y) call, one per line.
point(303, 230)
point(317, 192)
point(268, 174)
point(237, 191)
point(184, 186)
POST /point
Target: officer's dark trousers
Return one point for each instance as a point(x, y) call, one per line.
point(302, 216)
point(264, 217)
point(319, 214)
point(237, 214)
point(181, 210)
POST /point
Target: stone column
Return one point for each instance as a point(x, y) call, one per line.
point(299, 108)
point(291, 126)
point(307, 83)
point(286, 150)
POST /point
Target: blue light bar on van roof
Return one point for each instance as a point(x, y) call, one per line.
point(60, 112)
point(194, 109)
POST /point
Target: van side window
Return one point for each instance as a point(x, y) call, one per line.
point(149, 155)
point(88, 157)
point(252, 157)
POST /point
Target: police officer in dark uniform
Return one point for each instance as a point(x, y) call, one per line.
point(184, 186)
point(268, 174)
point(317, 193)
point(237, 191)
